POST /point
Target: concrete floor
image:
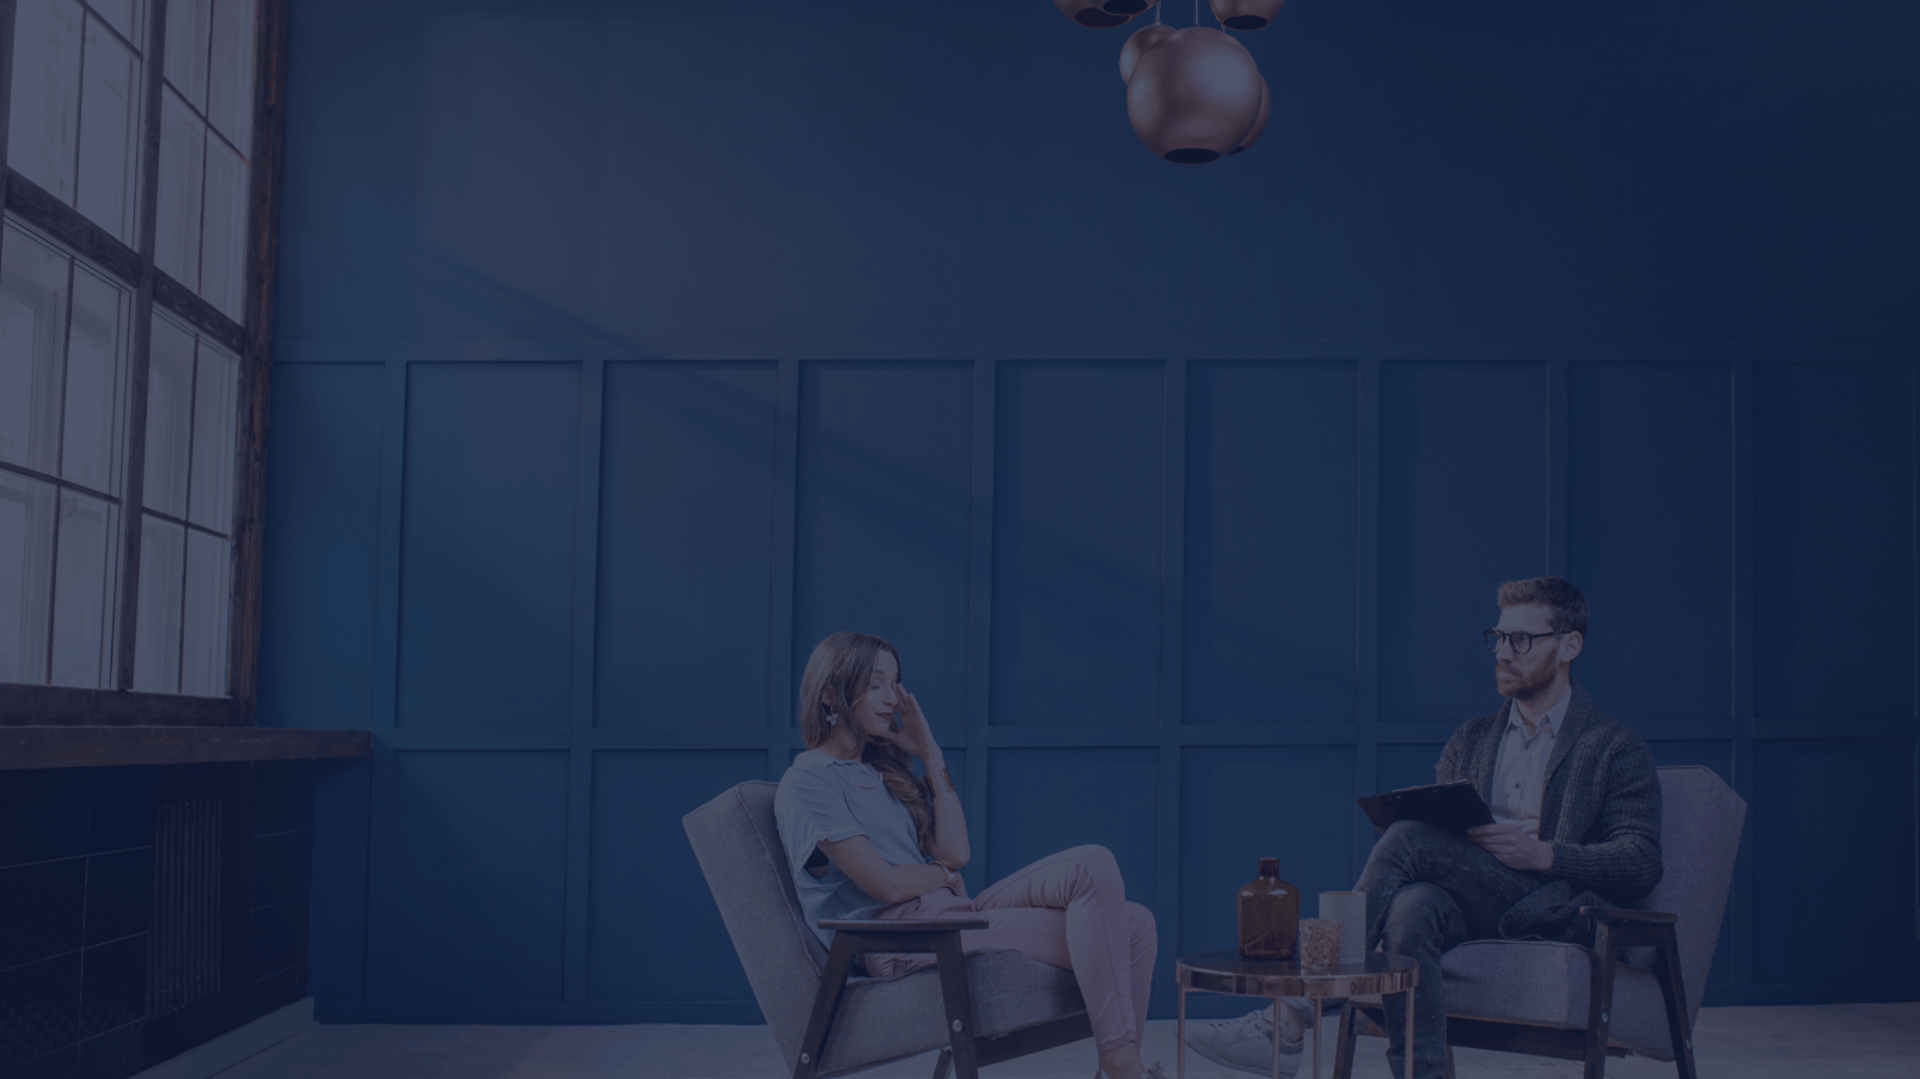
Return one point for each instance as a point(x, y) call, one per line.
point(1838, 1041)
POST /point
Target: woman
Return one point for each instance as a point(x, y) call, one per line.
point(868, 839)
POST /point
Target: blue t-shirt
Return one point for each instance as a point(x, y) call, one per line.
point(823, 798)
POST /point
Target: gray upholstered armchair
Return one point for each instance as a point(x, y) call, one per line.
point(1561, 1000)
point(993, 1006)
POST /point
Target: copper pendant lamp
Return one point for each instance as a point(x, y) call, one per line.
point(1245, 14)
point(1193, 95)
point(1101, 14)
point(1138, 43)
point(1259, 119)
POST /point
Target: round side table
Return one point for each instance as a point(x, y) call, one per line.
point(1229, 972)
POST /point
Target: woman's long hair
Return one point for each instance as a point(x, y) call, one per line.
point(839, 671)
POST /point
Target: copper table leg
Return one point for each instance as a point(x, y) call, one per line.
point(1316, 1037)
point(1180, 1036)
point(1276, 1037)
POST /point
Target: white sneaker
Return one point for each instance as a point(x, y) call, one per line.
point(1246, 1043)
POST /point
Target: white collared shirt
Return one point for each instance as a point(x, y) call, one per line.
point(1520, 773)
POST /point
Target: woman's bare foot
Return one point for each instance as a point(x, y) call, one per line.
point(1121, 1062)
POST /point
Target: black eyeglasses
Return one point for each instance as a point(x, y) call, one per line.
point(1522, 642)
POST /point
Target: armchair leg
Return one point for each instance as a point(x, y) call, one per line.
point(945, 1062)
point(1343, 1043)
point(1600, 1002)
point(953, 991)
point(827, 1001)
point(1349, 1033)
point(1667, 970)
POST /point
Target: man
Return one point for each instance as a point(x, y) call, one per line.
point(1576, 804)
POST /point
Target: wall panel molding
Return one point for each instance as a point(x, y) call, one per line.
point(1606, 506)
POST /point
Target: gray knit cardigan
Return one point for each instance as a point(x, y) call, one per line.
point(1600, 808)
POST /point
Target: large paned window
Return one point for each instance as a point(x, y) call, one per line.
point(134, 267)
point(62, 432)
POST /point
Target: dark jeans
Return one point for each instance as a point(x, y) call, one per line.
point(1429, 889)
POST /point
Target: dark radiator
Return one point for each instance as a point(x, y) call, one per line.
point(184, 949)
point(197, 942)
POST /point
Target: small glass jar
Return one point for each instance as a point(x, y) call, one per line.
point(1269, 910)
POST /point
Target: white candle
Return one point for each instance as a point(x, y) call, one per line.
point(1350, 910)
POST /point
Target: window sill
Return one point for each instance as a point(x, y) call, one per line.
point(100, 747)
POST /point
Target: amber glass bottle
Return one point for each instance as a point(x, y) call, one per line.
point(1269, 911)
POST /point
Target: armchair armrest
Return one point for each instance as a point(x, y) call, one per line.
point(1622, 916)
point(901, 925)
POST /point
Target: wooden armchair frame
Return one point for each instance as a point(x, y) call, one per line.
point(965, 1053)
point(1614, 929)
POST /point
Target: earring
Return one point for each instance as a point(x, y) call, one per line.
point(831, 720)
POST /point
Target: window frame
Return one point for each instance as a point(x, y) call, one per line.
point(24, 704)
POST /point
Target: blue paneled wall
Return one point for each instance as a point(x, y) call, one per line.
point(625, 350)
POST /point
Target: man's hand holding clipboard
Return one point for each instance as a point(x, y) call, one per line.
point(1454, 806)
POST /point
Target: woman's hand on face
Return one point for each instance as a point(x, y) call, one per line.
point(915, 735)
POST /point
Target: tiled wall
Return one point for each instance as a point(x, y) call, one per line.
point(76, 897)
point(282, 877)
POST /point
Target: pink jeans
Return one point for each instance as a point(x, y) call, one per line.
point(1069, 910)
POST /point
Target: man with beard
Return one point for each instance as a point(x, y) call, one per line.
point(1576, 805)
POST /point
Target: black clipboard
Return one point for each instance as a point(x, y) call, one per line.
point(1454, 806)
